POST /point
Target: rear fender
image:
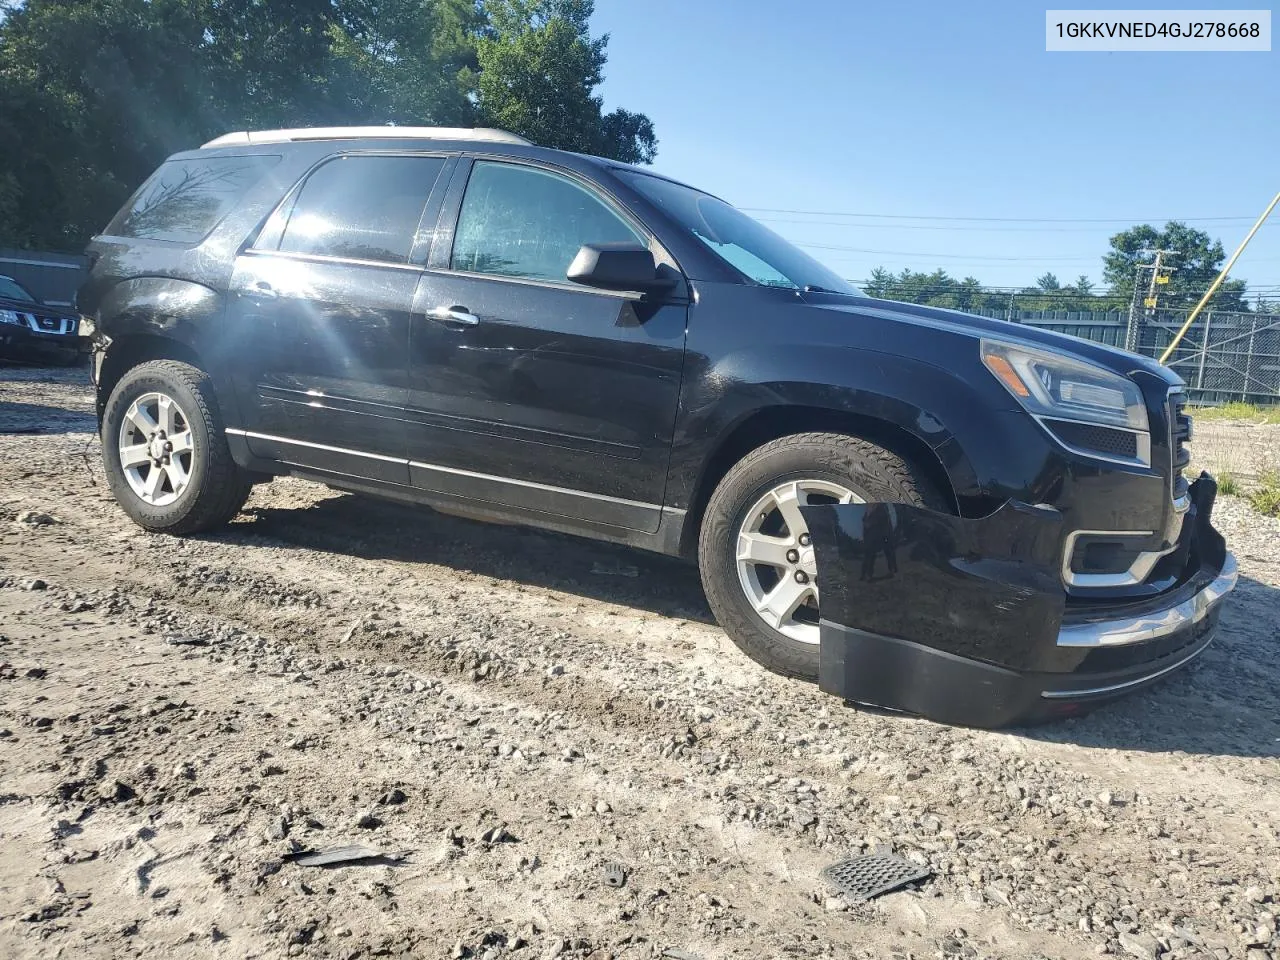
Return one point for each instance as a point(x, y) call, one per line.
point(159, 306)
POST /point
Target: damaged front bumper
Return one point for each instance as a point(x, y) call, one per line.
point(966, 620)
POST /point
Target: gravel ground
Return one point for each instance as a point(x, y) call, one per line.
point(501, 713)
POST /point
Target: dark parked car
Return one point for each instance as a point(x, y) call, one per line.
point(929, 511)
point(29, 329)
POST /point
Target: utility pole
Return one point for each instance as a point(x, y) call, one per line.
point(1159, 277)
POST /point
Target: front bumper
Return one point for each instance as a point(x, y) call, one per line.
point(966, 620)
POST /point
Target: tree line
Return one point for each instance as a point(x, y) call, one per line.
point(1193, 257)
point(95, 93)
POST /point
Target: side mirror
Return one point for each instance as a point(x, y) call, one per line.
point(618, 266)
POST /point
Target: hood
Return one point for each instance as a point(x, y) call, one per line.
point(956, 321)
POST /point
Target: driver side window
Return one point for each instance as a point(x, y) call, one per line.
point(519, 221)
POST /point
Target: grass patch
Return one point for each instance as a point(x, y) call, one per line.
point(1236, 410)
point(1228, 485)
point(1266, 499)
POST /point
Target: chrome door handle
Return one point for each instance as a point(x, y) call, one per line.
point(454, 314)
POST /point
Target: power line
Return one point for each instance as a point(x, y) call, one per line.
point(968, 258)
point(906, 216)
point(915, 226)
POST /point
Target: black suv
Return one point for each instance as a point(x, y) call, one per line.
point(994, 517)
point(29, 328)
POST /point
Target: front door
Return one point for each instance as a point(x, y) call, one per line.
point(324, 300)
point(528, 389)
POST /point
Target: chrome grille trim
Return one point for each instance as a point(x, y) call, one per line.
point(1179, 455)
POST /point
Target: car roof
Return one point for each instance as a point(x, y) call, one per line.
point(459, 135)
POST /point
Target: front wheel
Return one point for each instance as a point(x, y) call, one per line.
point(755, 553)
point(165, 450)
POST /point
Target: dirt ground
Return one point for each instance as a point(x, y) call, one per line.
point(1246, 451)
point(501, 713)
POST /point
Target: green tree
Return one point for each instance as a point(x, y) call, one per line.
point(939, 289)
point(95, 93)
point(1195, 259)
point(539, 68)
point(936, 289)
point(409, 61)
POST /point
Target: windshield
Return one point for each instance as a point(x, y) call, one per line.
point(12, 290)
point(753, 250)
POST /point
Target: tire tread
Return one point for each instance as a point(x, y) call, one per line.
point(848, 456)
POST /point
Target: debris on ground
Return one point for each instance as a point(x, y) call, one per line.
point(613, 873)
point(342, 855)
point(869, 876)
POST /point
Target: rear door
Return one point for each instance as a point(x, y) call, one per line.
point(528, 389)
point(323, 300)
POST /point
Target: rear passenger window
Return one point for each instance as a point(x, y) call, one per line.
point(184, 199)
point(519, 221)
point(363, 208)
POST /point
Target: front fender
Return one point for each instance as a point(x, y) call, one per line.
point(980, 442)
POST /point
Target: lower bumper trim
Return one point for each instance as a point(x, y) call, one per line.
point(1119, 687)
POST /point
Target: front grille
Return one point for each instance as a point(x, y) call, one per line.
point(59, 325)
point(1179, 437)
point(1105, 440)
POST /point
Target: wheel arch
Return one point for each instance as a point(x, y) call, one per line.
point(770, 423)
point(154, 318)
point(130, 350)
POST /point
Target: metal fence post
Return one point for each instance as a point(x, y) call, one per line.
point(1135, 334)
point(1248, 363)
point(1204, 350)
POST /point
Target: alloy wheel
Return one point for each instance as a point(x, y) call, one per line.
point(775, 559)
point(157, 453)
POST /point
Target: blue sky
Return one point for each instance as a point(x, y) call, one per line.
point(939, 109)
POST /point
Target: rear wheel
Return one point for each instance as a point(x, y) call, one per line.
point(755, 553)
point(165, 450)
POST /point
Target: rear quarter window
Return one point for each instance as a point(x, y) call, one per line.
point(184, 199)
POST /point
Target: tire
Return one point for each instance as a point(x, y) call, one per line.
point(821, 465)
point(214, 488)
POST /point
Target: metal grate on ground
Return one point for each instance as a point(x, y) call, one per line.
point(861, 878)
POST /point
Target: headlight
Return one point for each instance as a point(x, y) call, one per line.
point(9, 316)
point(1053, 385)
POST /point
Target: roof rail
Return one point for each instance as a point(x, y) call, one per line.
point(246, 137)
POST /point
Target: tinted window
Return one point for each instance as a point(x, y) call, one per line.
point(12, 290)
point(185, 199)
point(753, 250)
point(523, 222)
point(366, 208)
